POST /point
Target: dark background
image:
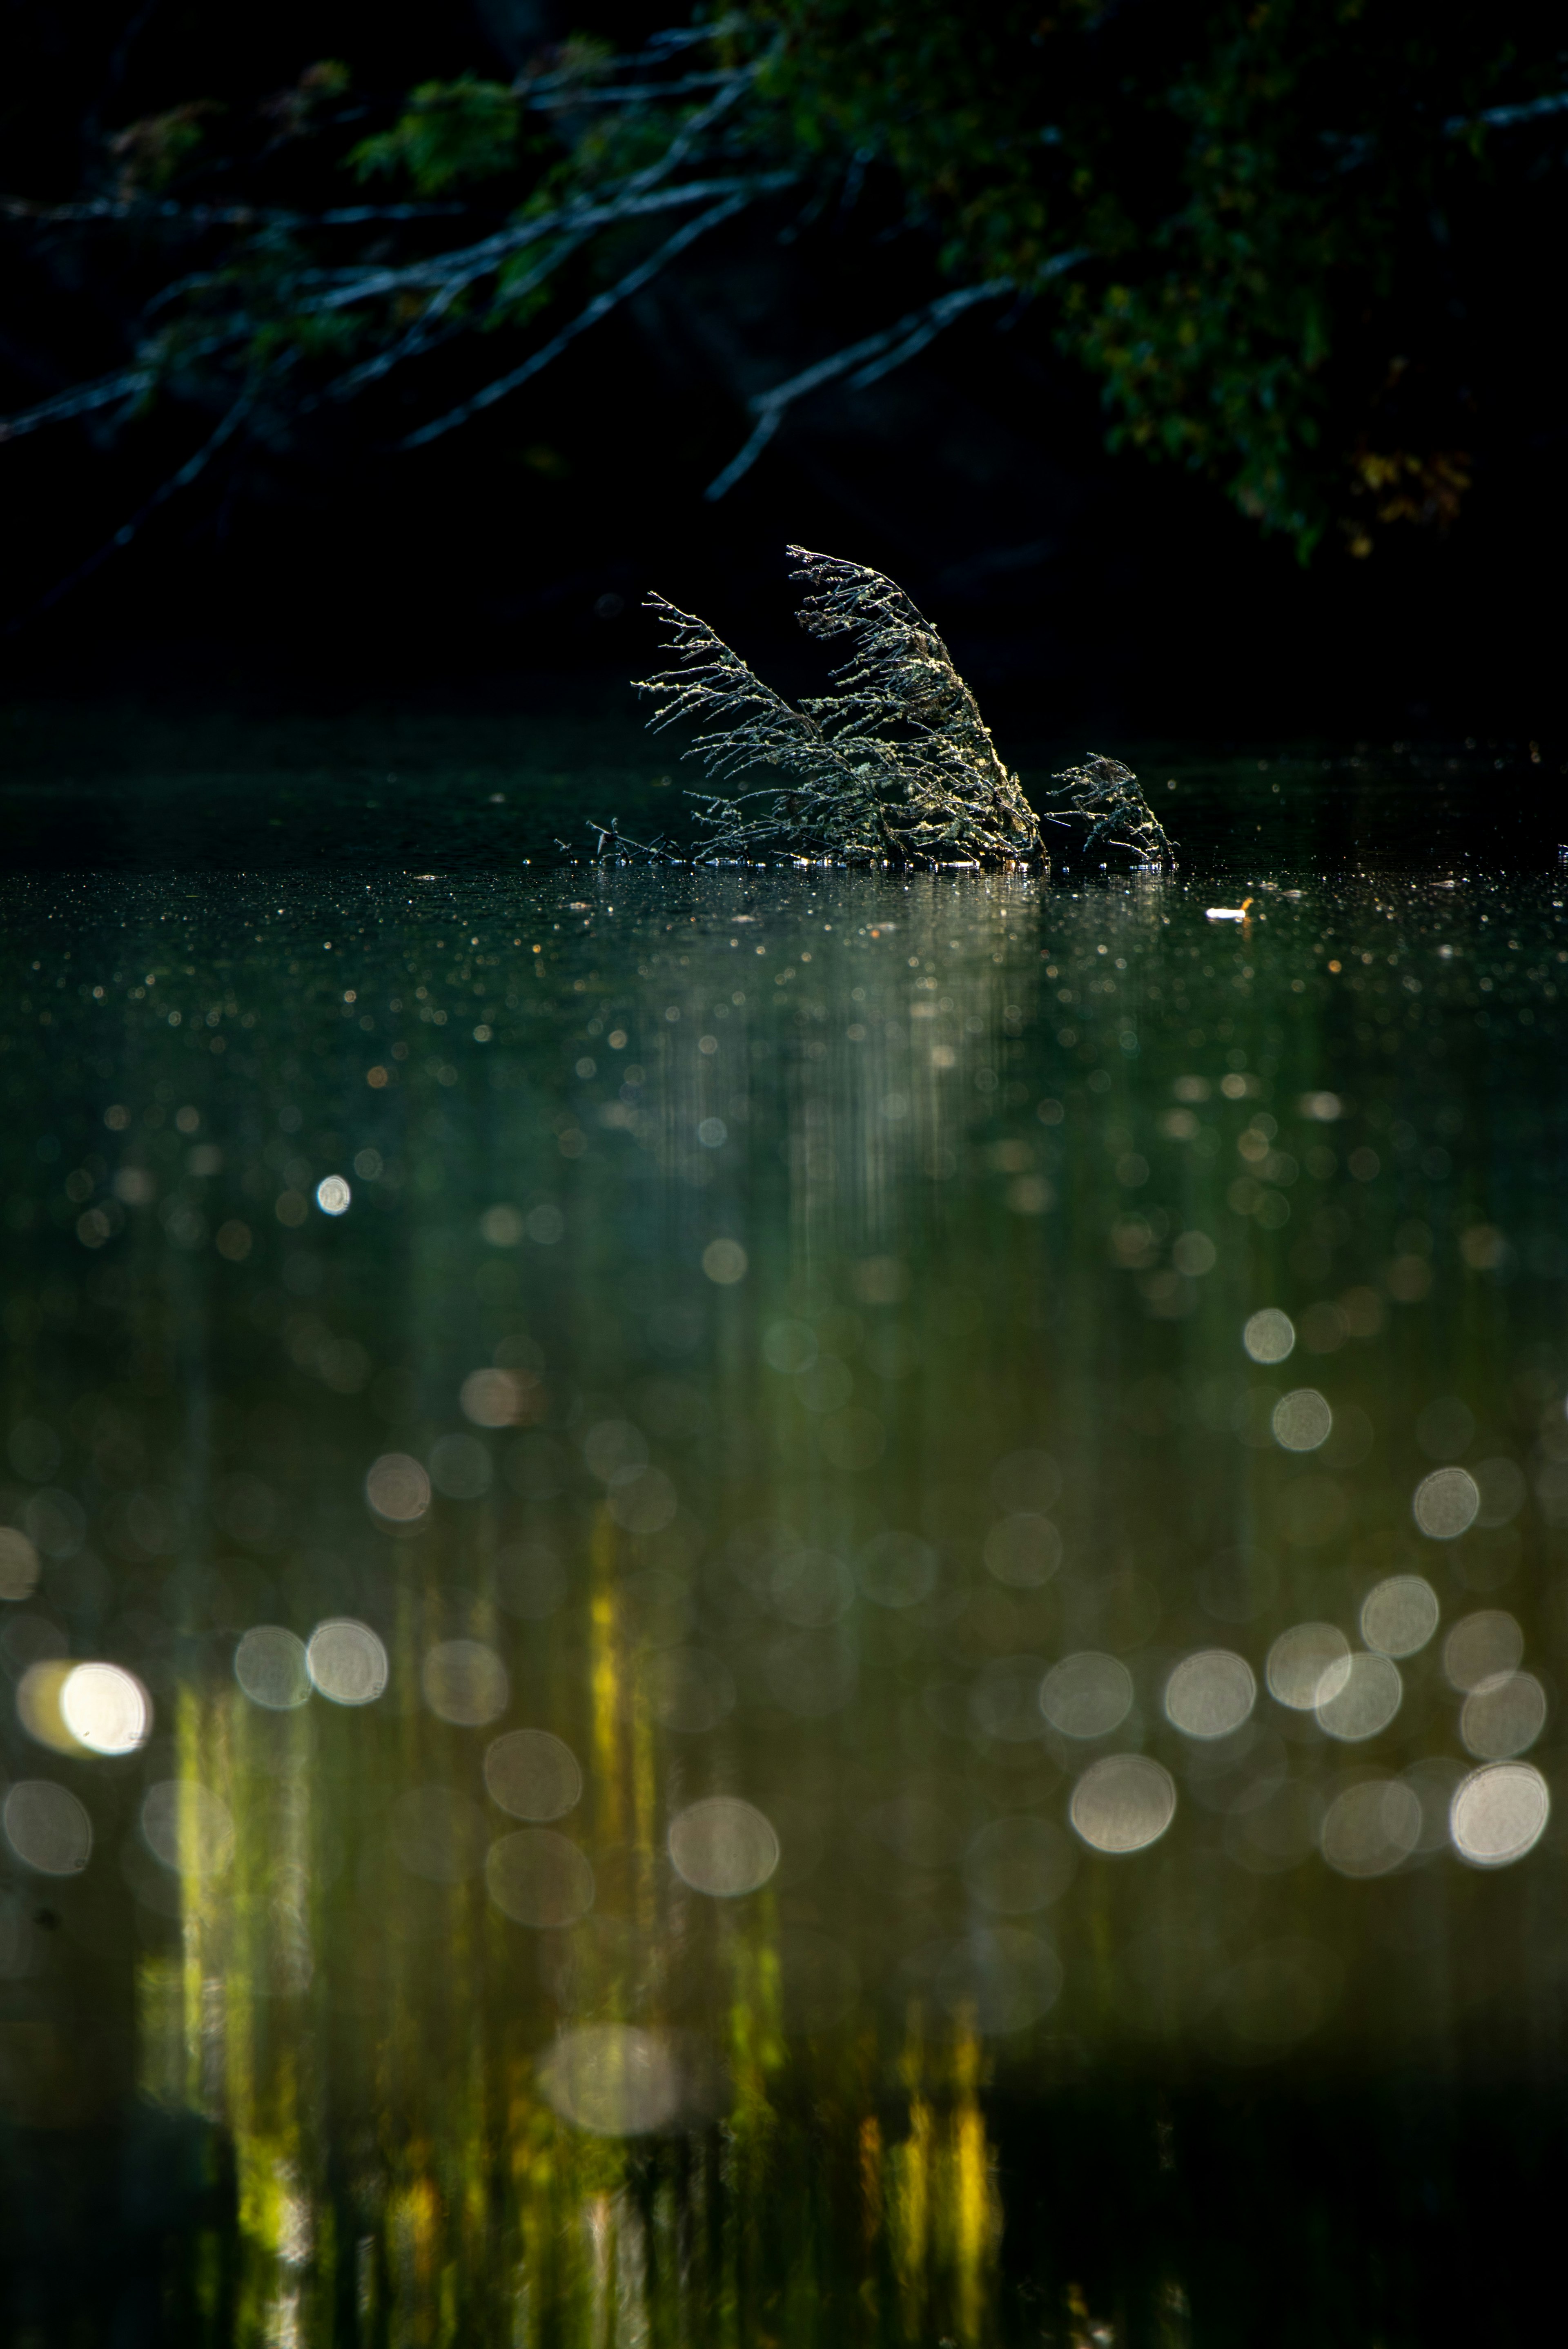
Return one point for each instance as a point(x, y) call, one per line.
point(1077, 588)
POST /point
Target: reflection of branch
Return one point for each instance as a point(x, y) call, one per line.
point(193, 467)
point(877, 356)
point(600, 306)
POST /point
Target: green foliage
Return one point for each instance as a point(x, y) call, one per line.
point(151, 153)
point(1255, 182)
point(1237, 219)
point(450, 132)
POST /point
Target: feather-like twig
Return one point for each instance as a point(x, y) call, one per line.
point(1106, 798)
point(895, 765)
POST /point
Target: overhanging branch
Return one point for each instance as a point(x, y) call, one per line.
point(600, 307)
point(877, 356)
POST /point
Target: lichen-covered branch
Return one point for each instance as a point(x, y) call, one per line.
point(895, 765)
point(1106, 798)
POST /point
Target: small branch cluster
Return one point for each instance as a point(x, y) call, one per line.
point(1105, 797)
point(894, 766)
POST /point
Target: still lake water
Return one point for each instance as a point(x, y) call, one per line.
point(782, 1606)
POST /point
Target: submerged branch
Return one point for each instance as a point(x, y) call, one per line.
point(1106, 798)
point(610, 837)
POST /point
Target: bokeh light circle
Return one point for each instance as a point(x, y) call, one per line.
point(270, 1666)
point(1499, 1813)
point(465, 1682)
point(1446, 1502)
point(539, 1879)
point(106, 1708)
point(1123, 1803)
point(398, 1489)
point(493, 1398)
point(1306, 1664)
point(724, 1261)
point(723, 1847)
point(1301, 1420)
point(1086, 1696)
point(38, 1694)
point(346, 1661)
point(18, 1564)
point(1399, 1615)
point(1364, 1701)
point(611, 2079)
point(1210, 1694)
point(1269, 1336)
point(47, 1827)
point(532, 1774)
point(1369, 1829)
point(1503, 1717)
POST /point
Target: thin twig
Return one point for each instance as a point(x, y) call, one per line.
point(620, 93)
point(877, 356)
point(1504, 117)
point(118, 210)
point(109, 390)
point(656, 852)
point(347, 287)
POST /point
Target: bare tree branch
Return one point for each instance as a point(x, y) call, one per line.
point(1104, 796)
point(600, 307)
point(1504, 117)
point(119, 209)
point(471, 262)
point(877, 356)
point(105, 393)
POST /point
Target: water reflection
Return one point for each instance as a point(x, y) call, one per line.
point(604, 1697)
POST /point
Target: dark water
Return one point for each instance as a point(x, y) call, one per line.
point(836, 1606)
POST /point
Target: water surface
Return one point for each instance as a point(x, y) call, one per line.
point(836, 1603)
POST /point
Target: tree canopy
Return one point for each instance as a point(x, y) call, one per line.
point(1272, 233)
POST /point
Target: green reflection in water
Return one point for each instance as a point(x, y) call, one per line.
point(787, 1537)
